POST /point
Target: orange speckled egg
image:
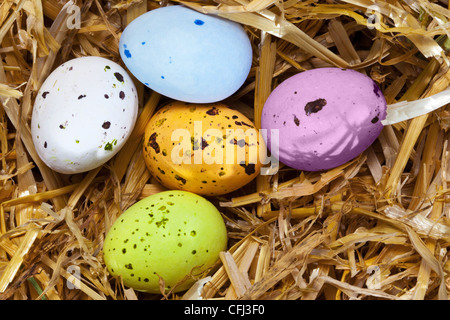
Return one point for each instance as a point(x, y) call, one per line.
point(207, 149)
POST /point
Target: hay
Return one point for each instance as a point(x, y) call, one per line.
point(377, 227)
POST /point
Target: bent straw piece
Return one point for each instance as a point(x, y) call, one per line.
point(429, 258)
point(239, 281)
point(123, 158)
point(283, 267)
point(276, 25)
point(405, 110)
point(415, 127)
point(73, 280)
point(428, 165)
point(17, 259)
point(243, 268)
point(423, 277)
point(220, 277)
point(404, 20)
point(263, 88)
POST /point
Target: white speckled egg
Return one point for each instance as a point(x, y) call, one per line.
point(187, 55)
point(83, 114)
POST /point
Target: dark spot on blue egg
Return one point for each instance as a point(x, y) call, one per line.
point(127, 53)
point(146, 83)
point(199, 22)
point(143, 42)
point(162, 77)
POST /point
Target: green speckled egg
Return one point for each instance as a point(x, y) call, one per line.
point(171, 235)
point(208, 149)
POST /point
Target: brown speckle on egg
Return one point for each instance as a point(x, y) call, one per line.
point(213, 111)
point(181, 179)
point(187, 147)
point(242, 123)
point(152, 142)
point(296, 120)
point(118, 76)
point(376, 90)
point(315, 106)
point(81, 96)
point(122, 95)
point(204, 144)
point(249, 168)
point(44, 94)
point(106, 125)
point(129, 266)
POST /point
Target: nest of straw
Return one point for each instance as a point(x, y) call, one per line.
point(377, 227)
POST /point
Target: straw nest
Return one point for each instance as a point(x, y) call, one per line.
point(377, 227)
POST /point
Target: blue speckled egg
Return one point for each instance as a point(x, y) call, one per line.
point(186, 55)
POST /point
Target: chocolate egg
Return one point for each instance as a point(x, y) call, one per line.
point(208, 149)
point(172, 235)
point(325, 117)
point(186, 55)
point(83, 114)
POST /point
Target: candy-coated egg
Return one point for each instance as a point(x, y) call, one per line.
point(171, 234)
point(187, 55)
point(83, 114)
point(208, 149)
point(325, 117)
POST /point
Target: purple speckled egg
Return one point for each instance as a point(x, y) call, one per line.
point(325, 117)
